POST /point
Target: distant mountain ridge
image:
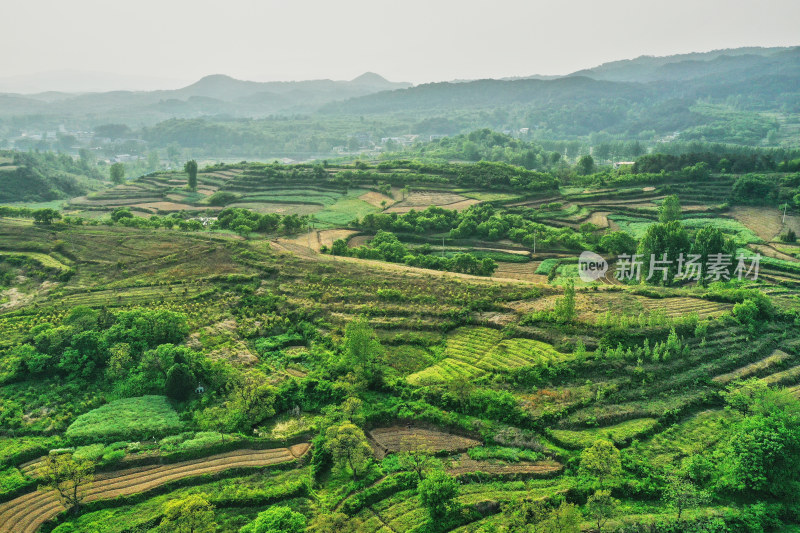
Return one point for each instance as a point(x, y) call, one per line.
point(216, 94)
point(620, 97)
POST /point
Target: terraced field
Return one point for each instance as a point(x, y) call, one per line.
point(520, 271)
point(421, 200)
point(27, 513)
point(407, 438)
point(619, 433)
point(776, 358)
point(476, 351)
point(462, 464)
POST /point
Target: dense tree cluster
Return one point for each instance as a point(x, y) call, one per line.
point(385, 246)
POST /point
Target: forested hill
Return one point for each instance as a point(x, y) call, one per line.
point(758, 80)
point(683, 66)
point(36, 177)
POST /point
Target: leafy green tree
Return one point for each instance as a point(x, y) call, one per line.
point(276, 519)
point(437, 494)
point(191, 170)
point(520, 513)
point(191, 514)
point(335, 523)
point(585, 165)
point(254, 399)
point(601, 461)
point(566, 518)
point(617, 242)
point(708, 242)
point(180, 382)
point(35, 361)
point(349, 447)
point(681, 494)
point(742, 396)
point(670, 209)
point(117, 173)
point(121, 212)
point(762, 454)
point(46, 216)
point(601, 506)
point(419, 462)
point(71, 479)
point(663, 242)
point(362, 351)
point(747, 314)
point(564, 310)
point(82, 318)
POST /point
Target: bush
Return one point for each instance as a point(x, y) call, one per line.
point(222, 198)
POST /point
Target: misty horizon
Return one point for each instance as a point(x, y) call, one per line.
point(75, 81)
point(150, 45)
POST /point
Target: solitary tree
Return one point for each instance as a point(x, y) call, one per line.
point(437, 493)
point(117, 171)
point(362, 350)
point(585, 165)
point(681, 494)
point(601, 461)
point(564, 310)
point(420, 462)
point(709, 242)
point(349, 447)
point(601, 506)
point(70, 478)
point(566, 518)
point(670, 209)
point(191, 169)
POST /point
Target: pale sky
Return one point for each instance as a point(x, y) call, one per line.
point(406, 40)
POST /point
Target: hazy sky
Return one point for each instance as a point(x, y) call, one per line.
point(405, 40)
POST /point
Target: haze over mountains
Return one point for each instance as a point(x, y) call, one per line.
point(741, 96)
point(761, 72)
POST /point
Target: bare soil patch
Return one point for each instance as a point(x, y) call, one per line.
point(464, 465)
point(766, 222)
point(405, 439)
point(421, 200)
point(599, 219)
point(375, 198)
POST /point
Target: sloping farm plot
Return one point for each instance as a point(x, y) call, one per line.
point(421, 200)
point(471, 352)
point(409, 439)
point(28, 512)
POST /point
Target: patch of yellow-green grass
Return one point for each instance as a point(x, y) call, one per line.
point(43, 259)
point(636, 512)
point(689, 437)
point(472, 352)
point(787, 377)
point(344, 211)
point(485, 196)
point(618, 433)
point(775, 358)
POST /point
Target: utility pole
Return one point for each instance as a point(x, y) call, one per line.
point(784, 213)
point(442, 246)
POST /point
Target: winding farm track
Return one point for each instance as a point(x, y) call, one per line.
point(27, 513)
